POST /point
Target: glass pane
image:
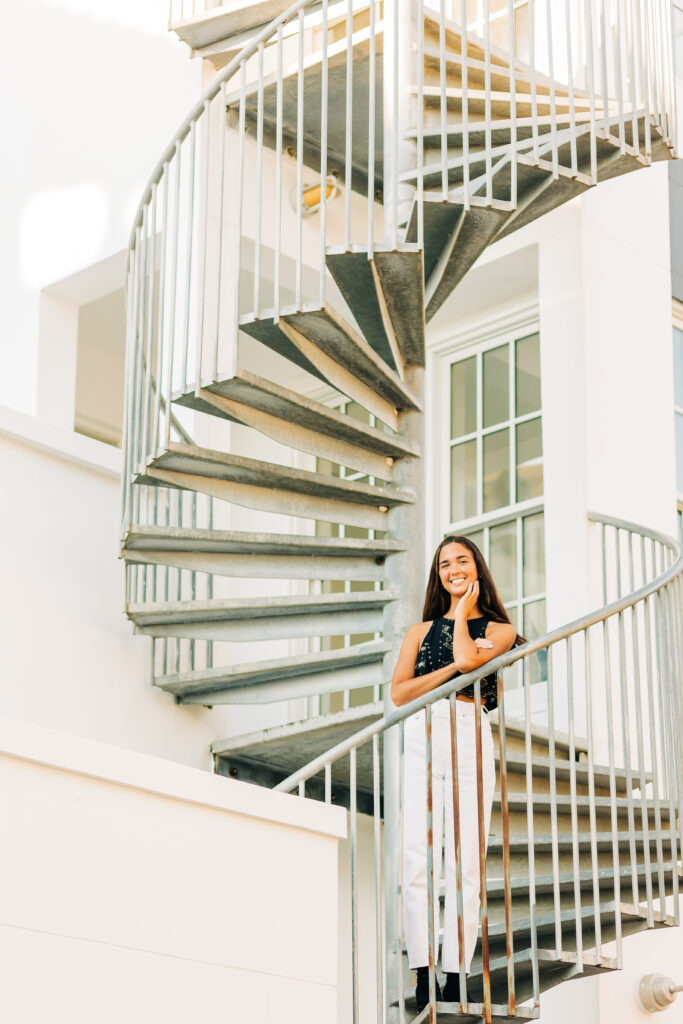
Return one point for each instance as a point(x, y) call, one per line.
point(534, 555)
point(360, 697)
point(536, 668)
point(678, 368)
point(496, 470)
point(527, 375)
point(503, 559)
point(463, 481)
point(512, 677)
point(356, 531)
point(529, 460)
point(496, 385)
point(477, 537)
point(357, 412)
point(679, 453)
point(464, 397)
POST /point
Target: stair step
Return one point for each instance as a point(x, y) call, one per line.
point(544, 884)
point(264, 618)
point(454, 238)
point(543, 843)
point(338, 353)
point(270, 755)
point(262, 555)
point(543, 804)
point(385, 293)
point(271, 487)
point(281, 678)
point(300, 422)
point(563, 772)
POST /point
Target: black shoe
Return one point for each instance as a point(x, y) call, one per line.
point(422, 990)
point(451, 990)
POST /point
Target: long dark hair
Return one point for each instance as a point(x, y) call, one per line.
point(438, 600)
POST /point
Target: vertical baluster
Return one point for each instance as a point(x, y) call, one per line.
point(173, 265)
point(513, 102)
point(457, 847)
point(278, 178)
point(557, 904)
point(553, 99)
point(138, 461)
point(626, 739)
point(348, 150)
point(399, 894)
point(632, 44)
point(614, 820)
point(431, 909)
point(642, 9)
point(158, 374)
point(576, 861)
point(465, 137)
point(204, 233)
point(391, 202)
point(507, 888)
point(528, 760)
point(328, 783)
point(379, 896)
point(259, 183)
point(323, 157)
point(640, 725)
point(591, 795)
point(371, 129)
point(655, 745)
point(605, 79)
point(670, 737)
point(299, 160)
point(481, 824)
point(209, 643)
point(444, 101)
point(192, 161)
point(353, 836)
point(147, 402)
point(570, 84)
point(618, 78)
point(590, 70)
point(219, 234)
point(531, 13)
point(488, 144)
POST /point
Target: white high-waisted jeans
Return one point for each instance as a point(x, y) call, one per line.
point(415, 830)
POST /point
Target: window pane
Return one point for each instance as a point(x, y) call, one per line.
point(536, 668)
point(534, 555)
point(678, 368)
point(463, 397)
point(463, 481)
point(512, 677)
point(496, 385)
point(477, 537)
point(503, 559)
point(357, 412)
point(496, 470)
point(528, 375)
point(529, 460)
point(679, 453)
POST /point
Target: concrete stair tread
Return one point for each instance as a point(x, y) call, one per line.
point(495, 887)
point(543, 842)
point(209, 685)
point(385, 293)
point(552, 971)
point(563, 771)
point(218, 609)
point(171, 538)
point(338, 341)
point(255, 392)
point(271, 755)
point(191, 460)
point(563, 803)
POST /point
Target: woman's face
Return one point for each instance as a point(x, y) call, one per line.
point(457, 569)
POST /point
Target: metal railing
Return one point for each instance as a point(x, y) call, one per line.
point(392, 113)
point(586, 842)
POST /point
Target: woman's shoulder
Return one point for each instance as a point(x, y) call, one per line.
point(418, 631)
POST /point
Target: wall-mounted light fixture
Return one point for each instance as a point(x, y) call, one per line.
point(657, 992)
point(312, 195)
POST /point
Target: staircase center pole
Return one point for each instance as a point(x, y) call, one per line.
point(406, 574)
point(400, 110)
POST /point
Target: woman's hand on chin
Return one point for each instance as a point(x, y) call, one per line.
point(468, 602)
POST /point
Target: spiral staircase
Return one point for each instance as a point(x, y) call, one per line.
point(248, 315)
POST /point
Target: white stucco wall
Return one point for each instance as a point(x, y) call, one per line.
point(135, 889)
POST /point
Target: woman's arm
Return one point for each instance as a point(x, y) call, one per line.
point(405, 685)
point(467, 653)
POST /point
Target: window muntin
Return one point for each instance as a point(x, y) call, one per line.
point(496, 476)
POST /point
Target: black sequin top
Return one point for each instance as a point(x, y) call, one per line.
point(436, 651)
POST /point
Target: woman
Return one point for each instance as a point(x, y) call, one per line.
point(464, 626)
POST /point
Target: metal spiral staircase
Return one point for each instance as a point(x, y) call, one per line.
point(263, 304)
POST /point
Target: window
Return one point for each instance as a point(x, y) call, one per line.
point(495, 474)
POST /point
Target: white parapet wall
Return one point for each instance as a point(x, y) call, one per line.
point(137, 889)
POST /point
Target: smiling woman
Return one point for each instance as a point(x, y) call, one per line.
point(464, 626)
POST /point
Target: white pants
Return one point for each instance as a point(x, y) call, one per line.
point(415, 830)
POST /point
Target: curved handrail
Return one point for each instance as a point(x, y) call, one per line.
point(508, 659)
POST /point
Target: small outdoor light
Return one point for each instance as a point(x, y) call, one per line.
point(657, 992)
point(312, 195)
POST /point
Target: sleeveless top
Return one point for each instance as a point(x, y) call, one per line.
point(436, 651)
